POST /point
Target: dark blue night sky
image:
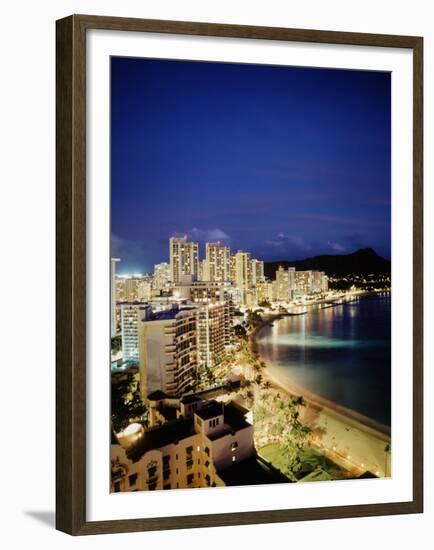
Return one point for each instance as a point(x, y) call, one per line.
point(283, 162)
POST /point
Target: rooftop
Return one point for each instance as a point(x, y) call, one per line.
point(234, 417)
point(216, 391)
point(131, 303)
point(160, 436)
point(234, 420)
point(164, 315)
point(210, 410)
point(252, 471)
point(168, 314)
point(187, 399)
point(157, 395)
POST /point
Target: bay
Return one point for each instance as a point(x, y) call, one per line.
point(342, 353)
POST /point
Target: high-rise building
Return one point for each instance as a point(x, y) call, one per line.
point(217, 262)
point(325, 284)
point(184, 258)
point(304, 282)
point(244, 279)
point(319, 282)
point(203, 271)
point(266, 291)
point(232, 270)
point(214, 332)
point(113, 296)
point(243, 270)
point(257, 272)
point(161, 276)
point(285, 284)
point(131, 314)
point(168, 351)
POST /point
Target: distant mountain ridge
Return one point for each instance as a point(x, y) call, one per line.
point(363, 261)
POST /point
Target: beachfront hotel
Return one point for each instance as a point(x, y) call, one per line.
point(285, 284)
point(214, 334)
point(243, 270)
point(257, 272)
point(168, 351)
point(172, 344)
point(191, 442)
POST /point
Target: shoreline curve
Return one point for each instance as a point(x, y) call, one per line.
point(288, 386)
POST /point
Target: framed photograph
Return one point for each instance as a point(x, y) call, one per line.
point(239, 275)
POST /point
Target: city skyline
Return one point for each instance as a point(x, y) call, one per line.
point(308, 174)
point(232, 363)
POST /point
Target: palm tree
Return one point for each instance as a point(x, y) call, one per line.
point(249, 398)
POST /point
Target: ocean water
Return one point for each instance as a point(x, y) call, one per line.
point(341, 353)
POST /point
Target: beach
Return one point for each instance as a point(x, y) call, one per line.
point(352, 440)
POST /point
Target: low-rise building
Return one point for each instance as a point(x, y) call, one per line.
point(209, 444)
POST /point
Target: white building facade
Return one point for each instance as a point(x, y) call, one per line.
point(168, 351)
point(190, 452)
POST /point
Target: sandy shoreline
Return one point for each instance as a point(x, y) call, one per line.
point(348, 431)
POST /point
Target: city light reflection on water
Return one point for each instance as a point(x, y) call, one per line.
point(341, 353)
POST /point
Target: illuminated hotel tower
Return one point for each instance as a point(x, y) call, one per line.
point(184, 258)
point(217, 262)
point(168, 351)
point(285, 283)
point(257, 272)
point(243, 270)
point(113, 297)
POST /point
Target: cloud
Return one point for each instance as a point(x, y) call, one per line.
point(127, 250)
point(336, 247)
point(286, 242)
point(206, 235)
point(292, 244)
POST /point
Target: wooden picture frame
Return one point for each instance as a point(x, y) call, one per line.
point(71, 273)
